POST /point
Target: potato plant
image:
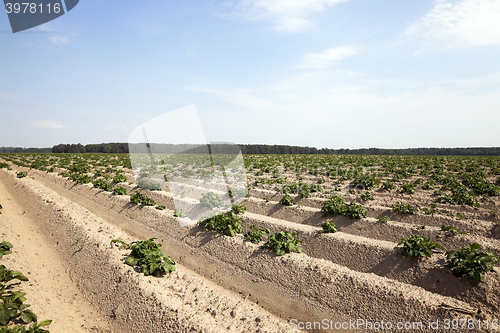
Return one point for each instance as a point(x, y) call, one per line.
point(119, 178)
point(119, 191)
point(103, 185)
point(336, 205)
point(139, 198)
point(452, 229)
point(328, 227)
point(470, 263)
point(13, 310)
point(404, 208)
point(179, 212)
point(283, 242)
point(21, 174)
point(287, 200)
point(211, 200)
point(256, 235)
point(228, 224)
point(418, 246)
point(147, 256)
point(366, 196)
point(239, 209)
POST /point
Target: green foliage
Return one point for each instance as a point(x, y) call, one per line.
point(119, 191)
point(228, 224)
point(139, 198)
point(148, 257)
point(408, 188)
point(239, 209)
point(429, 185)
point(366, 196)
point(429, 211)
point(328, 227)
point(256, 235)
point(388, 186)
point(354, 211)
point(287, 200)
point(211, 200)
point(21, 174)
point(333, 206)
point(283, 242)
point(179, 212)
point(80, 178)
point(366, 182)
point(352, 191)
point(103, 185)
point(471, 263)
point(404, 208)
point(5, 248)
point(119, 178)
point(460, 216)
point(79, 167)
point(452, 229)
point(12, 306)
point(64, 174)
point(336, 205)
point(160, 207)
point(383, 219)
point(460, 195)
point(143, 183)
point(418, 246)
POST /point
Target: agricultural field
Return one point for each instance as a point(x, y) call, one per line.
point(310, 241)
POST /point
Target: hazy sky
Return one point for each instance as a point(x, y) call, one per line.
point(322, 73)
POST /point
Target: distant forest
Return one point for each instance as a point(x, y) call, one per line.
point(119, 148)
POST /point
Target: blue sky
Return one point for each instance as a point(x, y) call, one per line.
point(322, 73)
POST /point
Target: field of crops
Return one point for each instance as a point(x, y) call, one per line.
point(394, 239)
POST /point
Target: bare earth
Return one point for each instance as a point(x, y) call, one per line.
point(50, 291)
point(61, 234)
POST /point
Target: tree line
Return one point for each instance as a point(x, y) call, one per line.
point(119, 148)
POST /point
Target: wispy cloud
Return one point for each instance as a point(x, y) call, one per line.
point(287, 16)
point(327, 58)
point(459, 24)
point(49, 124)
point(59, 40)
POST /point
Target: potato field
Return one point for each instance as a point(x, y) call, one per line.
point(314, 243)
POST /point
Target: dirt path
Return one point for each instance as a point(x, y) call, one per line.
point(50, 291)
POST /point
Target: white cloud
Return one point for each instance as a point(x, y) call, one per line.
point(49, 124)
point(59, 41)
point(292, 25)
point(327, 58)
point(347, 109)
point(287, 15)
point(287, 7)
point(45, 27)
point(460, 24)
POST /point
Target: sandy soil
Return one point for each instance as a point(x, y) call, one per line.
point(355, 273)
point(50, 291)
point(130, 302)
